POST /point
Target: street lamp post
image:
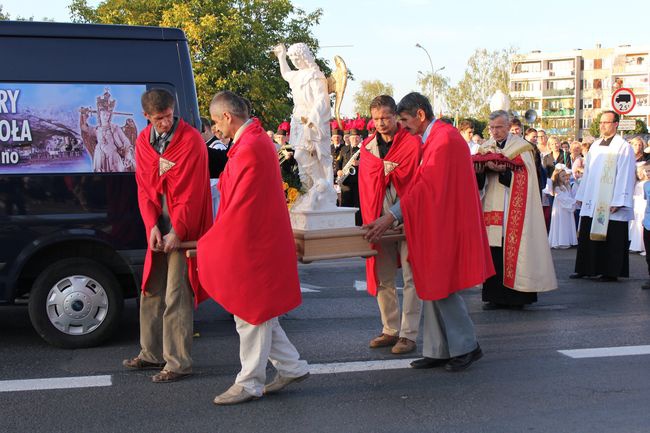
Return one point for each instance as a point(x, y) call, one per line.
point(433, 73)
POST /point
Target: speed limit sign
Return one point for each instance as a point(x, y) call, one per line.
point(623, 100)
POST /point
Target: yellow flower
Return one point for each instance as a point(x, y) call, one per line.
point(292, 194)
point(285, 186)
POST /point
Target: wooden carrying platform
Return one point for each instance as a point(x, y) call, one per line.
point(331, 244)
point(312, 245)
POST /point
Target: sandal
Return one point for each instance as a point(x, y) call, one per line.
point(138, 363)
point(168, 376)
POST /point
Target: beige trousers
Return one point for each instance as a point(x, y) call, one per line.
point(387, 293)
point(259, 344)
point(166, 315)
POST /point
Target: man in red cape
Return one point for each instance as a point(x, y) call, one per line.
point(387, 164)
point(448, 246)
point(174, 198)
point(255, 274)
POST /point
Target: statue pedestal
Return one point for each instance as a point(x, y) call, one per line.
point(328, 234)
point(335, 218)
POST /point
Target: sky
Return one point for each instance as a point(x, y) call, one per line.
point(378, 37)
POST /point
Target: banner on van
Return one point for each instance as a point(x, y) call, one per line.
point(69, 128)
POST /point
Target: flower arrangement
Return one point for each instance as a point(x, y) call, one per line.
point(290, 193)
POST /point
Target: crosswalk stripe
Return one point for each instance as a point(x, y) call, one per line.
point(362, 286)
point(55, 383)
point(602, 352)
point(356, 366)
point(309, 288)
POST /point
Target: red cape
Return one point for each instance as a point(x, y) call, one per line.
point(443, 219)
point(405, 152)
point(187, 186)
point(247, 260)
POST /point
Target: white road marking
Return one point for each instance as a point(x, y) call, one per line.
point(309, 288)
point(362, 286)
point(99, 381)
point(351, 367)
point(55, 383)
point(601, 352)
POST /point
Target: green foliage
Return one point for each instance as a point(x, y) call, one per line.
point(434, 85)
point(640, 127)
point(486, 73)
point(230, 43)
point(3, 16)
point(594, 129)
point(368, 91)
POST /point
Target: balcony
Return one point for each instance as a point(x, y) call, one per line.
point(560, 131)
point(561, 112)
point(523, 94)
point(556, 73)
point(522, 75)
point(631, 69)
point(559, 92)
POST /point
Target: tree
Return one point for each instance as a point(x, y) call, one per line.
point(3, 16)
point(435, 87)
point(640, 127)
point(367, 92)
point(230, 43)
point(594, 128)
point(486, 73)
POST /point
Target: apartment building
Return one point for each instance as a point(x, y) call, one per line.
point(568, 89)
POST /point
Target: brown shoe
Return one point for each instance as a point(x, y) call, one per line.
point(166, 376)
point(138, 363)
point(404, 345)
point(384, 340)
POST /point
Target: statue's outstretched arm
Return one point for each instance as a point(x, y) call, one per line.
point(281, 52)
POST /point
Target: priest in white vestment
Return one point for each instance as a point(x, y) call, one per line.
point(606, 193)
point(514, 220)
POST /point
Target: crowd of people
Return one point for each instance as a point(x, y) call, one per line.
point(472, 213)
point(559, 166)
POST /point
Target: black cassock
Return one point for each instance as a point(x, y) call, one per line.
point(610, 257)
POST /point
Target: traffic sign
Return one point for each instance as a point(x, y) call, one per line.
point(626, 125)
point(623, 100)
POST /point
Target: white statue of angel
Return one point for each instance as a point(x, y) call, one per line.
point(310, 133)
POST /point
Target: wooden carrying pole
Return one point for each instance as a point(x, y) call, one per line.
point(331, 242)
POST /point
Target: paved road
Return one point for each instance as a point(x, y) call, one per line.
point(523, 384)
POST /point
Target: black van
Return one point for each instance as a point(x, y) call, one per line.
point(71, 238)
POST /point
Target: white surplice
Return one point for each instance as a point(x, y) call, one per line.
point(562, 233)
point(624, 181)
point(636, 226)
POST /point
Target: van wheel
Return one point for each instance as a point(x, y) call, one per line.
point(75, 303)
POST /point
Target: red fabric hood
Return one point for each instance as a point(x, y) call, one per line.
point(405, 152)
point(186, 185)
point(247, 260)
point(443, 219)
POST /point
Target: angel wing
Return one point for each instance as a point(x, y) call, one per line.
point(336, 83)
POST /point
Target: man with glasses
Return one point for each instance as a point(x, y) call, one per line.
point(542, 139)
point(512, 212)
point(606, 192)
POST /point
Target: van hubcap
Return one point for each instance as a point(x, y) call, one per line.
point(77, 305)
